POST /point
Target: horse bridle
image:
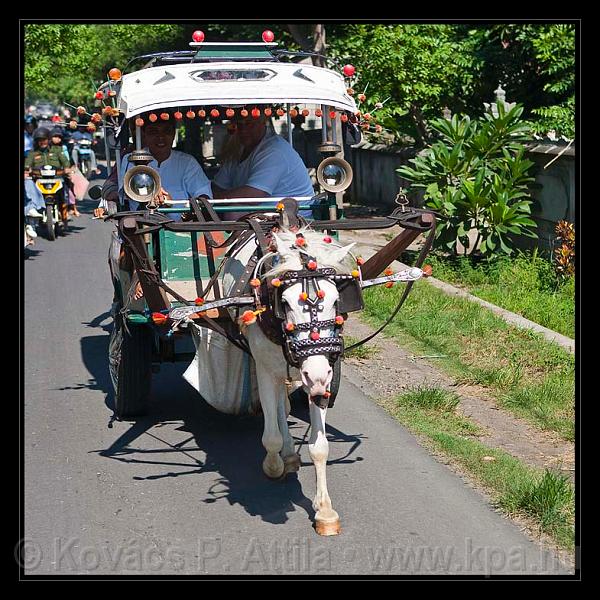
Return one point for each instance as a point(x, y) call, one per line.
point(296, 350)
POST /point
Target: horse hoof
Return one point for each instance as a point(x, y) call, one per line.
point(273, 469)
point(328, 526)
point(292, 463)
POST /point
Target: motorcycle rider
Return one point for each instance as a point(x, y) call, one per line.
point(57, 139)
point(84, 135)
point(45, 154)
point(30, 123)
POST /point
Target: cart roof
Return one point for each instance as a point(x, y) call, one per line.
point(231, 83)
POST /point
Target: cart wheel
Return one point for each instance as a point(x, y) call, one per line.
point(50, 231)
point(130, 362)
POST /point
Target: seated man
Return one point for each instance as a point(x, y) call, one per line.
point(76, 138)
point(181, 175)
point(259, 163)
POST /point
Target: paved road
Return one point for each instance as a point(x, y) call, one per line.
point(182, 490)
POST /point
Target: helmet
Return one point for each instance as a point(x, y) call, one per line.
point(40, 133)
point(57, 131)
point(30, 120)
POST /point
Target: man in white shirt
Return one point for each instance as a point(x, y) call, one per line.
point(257, 163)
point(181, 175)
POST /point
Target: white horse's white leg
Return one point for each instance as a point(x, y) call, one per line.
point(288, 452)
point(327, 521)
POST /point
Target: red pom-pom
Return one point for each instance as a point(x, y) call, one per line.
point(314, 335)
point(300, 241)
point(201, 113)
point(199, 301)
point(339, 320)
point(332, 114)
point(327, 239)
point(349, 70)
point(229, 112)
point(318, 112)
point(159, 318)
point(388, 271)
point(243, 113)
point(165, 116)
point(190, 114)
point(178, 115)
point(362, 97)
point(321, 294)
point(255, 113)
point(214, 113)
point(427, 270)
point(268, 36)
point(198, 36)
point(152, 117)
point(389, 284)
point(268, 112)
point(303, 296)
point(311, 265)
point(360, 261)
point(248, 317)
point(290, 326)
point(99, 95)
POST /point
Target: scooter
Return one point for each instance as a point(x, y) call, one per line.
point(84, 156)
point(49, 181)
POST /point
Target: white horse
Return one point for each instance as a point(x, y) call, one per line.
point(315, 372)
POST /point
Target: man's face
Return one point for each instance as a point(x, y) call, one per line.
point(29, 128)
point(57, 140)
point(42, 143)
point(158, 137)
point(250, 130)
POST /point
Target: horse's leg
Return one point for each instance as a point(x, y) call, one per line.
point(288, 452)
point(272, 439)
point(327, 521)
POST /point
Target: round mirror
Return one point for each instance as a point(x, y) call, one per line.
point(334, 174)
point(141, 183)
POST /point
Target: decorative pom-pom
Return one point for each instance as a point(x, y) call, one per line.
point(255, 113)
point(165, 116)
point(255, 283)
point(243, 113)
point(276, 282)
point(280, 112)
point(229, 112)
point(303, 296)
point(327, 239)
point(152, 117)
point(318, 112)
point(202, 113)
point(427, 270)
point(314, 335)
point(268, 112)
point(388, 271)
point(214, 113)
point(321, 294)
point(355, 273)
point(98, 95)
point(360, 261)
point(289, 326)
point(248, 317)
point(280, 206)
point(389, 284)
point(190, 114)
point(300, 241)
point(311, 265)
point(178, 115)
point(339, 320)
point(159, 318)
point(199, 301)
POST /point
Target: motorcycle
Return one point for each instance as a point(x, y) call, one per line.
point(55, 218)
point(84, 156)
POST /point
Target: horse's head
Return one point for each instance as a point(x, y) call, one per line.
point(310, 268)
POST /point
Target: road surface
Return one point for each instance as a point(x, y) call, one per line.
point(182, 490)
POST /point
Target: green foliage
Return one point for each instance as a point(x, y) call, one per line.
point(66, 63)
point(476, 177)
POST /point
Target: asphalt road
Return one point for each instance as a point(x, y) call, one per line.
point(182, 491)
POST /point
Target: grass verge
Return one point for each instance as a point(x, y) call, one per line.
point(363, 352)
point(545, 498)
point(526, 285)
point(529, 376)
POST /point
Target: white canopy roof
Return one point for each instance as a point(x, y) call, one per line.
point(229, 84)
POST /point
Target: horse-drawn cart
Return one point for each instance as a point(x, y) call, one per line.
point(256, 305)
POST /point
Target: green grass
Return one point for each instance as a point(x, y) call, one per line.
point(363, 352)
point(528, 375)
point(526, 285)
point(516, 488)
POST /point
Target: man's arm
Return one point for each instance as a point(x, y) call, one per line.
point(244, 191)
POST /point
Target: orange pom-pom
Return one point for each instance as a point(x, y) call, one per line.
point(355, 273)
point(362, 97)
point(248, 317)
point(303, 296)
point(214, 113)
point(268, 112)
point(280, 206)
point(243, 113)
point(360, 261)
point(339, 320)
point(318, 112)
point(255, 283)
point(327, 395)
point(202, 113)
point(300, 241)
point(427, 270)
point(229, 112)
point(159, 318)
point(178, 115)
point(311, 265)
point(152, 117)
point(367, 116)
point(139, 122)
point(289, 326)
point(321, 294)
point(73, 124)
point(388, 271)
point(81, 110)
point(276, 282)
point(255, 113)
point(389, 284)
point(190, 114)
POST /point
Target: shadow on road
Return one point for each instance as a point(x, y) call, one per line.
point(229, 446)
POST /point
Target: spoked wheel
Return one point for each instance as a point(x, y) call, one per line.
point(130, 364)
point(50, 231)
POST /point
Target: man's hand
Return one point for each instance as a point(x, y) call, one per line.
point(163, 197)
point(99, 212)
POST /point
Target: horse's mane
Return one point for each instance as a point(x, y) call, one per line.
point(327, 254)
